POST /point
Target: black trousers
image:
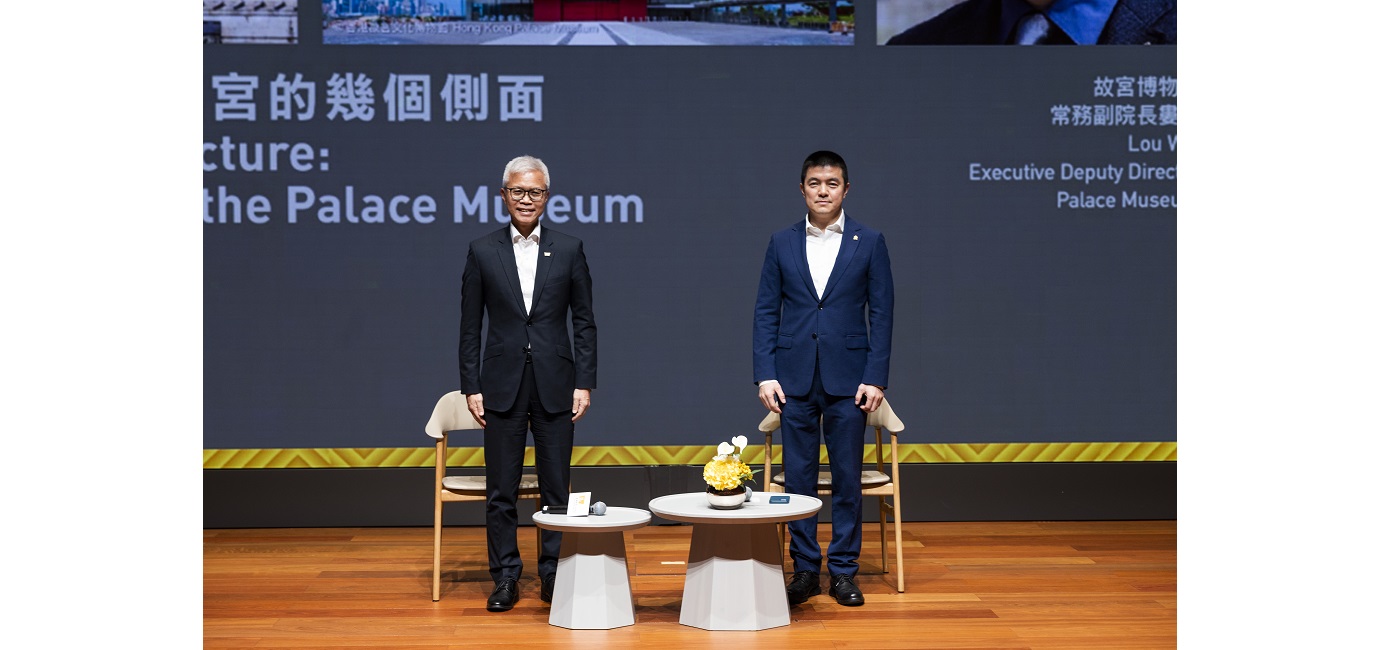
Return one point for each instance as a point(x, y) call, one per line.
point(553, 435)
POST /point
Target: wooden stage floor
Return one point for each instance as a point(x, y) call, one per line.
point(984, 585)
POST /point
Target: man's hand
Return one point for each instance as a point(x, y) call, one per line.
point(478, 408)
point(868, 397)
point(582, 398)
point(771, 394)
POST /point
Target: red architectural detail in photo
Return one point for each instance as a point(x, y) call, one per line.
point(554, 10)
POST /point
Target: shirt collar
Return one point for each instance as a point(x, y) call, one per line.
point(515, 235)
point(838, 226)
point(1082, 20)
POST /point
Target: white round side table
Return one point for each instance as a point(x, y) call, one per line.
point(592, 590)
point(734, 578)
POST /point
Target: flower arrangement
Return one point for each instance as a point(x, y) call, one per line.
point(725, 472)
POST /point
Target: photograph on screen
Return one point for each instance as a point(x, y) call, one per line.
point(586, 22)
point(1026, 22)
point(256, 22)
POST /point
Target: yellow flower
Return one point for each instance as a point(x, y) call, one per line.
point(727, 472)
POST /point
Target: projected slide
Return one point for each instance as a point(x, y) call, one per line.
point(1027, 196)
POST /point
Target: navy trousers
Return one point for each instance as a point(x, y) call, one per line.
point(805, 420)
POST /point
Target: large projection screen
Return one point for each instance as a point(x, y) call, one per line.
point(1027, 194)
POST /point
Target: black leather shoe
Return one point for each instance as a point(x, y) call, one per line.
point(845, 591)
point(804, 585)
point(547, 588)
point(505, 596)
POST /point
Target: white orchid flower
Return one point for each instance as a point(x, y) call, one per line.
point(725, 449)
point(740, 442)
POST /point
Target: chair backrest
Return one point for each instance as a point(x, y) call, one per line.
point(883, 418)
point(450, 414)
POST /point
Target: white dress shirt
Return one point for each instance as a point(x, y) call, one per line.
point(822, 247)
point(527, 258)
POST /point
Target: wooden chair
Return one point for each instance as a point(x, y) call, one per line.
point(874, 483)
point(451, 414)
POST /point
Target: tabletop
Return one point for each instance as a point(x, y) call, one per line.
point(614, 519)
point(693, 507)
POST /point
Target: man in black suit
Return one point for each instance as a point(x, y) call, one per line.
point(529, 282)
point(1047, 22)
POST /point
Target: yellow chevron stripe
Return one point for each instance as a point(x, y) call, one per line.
point(1015, 452)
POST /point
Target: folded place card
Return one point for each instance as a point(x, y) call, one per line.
point(578, 504)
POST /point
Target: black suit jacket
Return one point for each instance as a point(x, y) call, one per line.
point(563, 291)
point(978, 22)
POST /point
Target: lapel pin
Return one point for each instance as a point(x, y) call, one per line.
point(546, 253)
point(855, 237)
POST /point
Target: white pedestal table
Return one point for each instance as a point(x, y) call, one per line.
point(592, 590)
point(734, 577)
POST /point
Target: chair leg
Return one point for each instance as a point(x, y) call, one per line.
point(783, 545)
point(437, 546)
point(884, 539)
point(782, 527)
point(899, 542)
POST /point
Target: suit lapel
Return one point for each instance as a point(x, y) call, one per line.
point(543, 262)
point(506, 252)
point(799, 252)
point(850, 241)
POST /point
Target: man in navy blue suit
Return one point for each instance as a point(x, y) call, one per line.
point(821, 358)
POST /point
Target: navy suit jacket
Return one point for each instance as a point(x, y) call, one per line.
point(851, 324)
point(563, 290)
point(978, 22)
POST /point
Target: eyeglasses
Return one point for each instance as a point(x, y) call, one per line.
point(517, 193)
